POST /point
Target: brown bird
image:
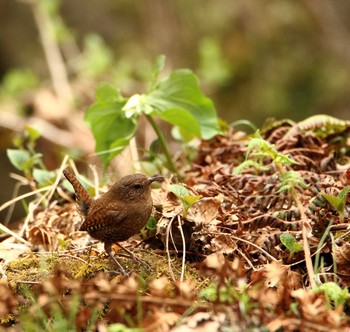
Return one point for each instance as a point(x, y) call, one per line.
point(117, 214)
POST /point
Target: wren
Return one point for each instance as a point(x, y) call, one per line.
point(119, 213)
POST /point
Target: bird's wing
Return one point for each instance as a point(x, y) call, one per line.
point(102, 216)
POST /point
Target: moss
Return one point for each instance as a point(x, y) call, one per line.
point(7, 320)
point(36, 268)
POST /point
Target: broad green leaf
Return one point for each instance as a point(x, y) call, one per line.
point(183, 119)
point(19, 158)
point(106, 93)
point(181, 91)
point(111, 129)
point(179, 190)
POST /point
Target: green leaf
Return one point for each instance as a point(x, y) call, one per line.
point(154, 147)
point(183, 119)
point(43, 177)
point(333, 200)
point(151, 224)
point(111, 129)
point(191, 199)
point(185, 196)
point(343, 194)
point(33, 133)
point(180, 91)
point(188, 201)
point(21, 159)
point(106, 93)
point(179, 190)
point(290, 242)
point(158, 67)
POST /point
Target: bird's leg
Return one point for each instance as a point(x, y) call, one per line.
point(133, 256)
point(108, 249)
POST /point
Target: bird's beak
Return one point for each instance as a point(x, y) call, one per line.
point(158, 178)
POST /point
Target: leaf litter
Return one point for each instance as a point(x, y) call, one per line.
point(221, 266)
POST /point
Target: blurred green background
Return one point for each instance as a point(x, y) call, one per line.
point(255, 59)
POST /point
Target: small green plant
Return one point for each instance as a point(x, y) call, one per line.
point(335, 296)
point(228, 293)
point(177, 99)
point(55, 316)
point(266, 155)
point(264, 149)
point(338, 202)
point(184, 195)
point(259, 150)
point(289, 241)
point(26, 159)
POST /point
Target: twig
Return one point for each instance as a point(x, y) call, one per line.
point(168, 231)
point(10, 211)
point(250, 243)
point(183, 250)
point(52, 52)
point(16, 236)
point(246, 259)
point(255, 246)
point(14, 200)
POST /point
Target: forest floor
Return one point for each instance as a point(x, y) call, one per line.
point(265, 248)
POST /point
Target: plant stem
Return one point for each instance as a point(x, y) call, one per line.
point(164, 144)
point(304, 227)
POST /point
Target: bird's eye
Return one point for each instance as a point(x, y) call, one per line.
point(137, 186)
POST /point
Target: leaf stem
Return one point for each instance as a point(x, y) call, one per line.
point(164, 144)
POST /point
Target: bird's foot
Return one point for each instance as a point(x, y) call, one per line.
point(139, 261)
point(136, 259)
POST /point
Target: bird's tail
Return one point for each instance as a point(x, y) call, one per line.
point(82, 197)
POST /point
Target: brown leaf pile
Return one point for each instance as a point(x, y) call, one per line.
point(232, 239)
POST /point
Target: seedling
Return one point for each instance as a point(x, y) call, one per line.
point(27, 160)
point(335, 296)
point(184, 195)
point(338, 202)
point(290, 243)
